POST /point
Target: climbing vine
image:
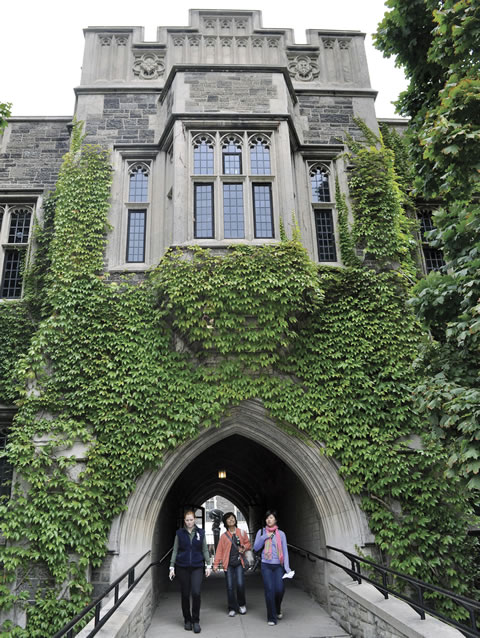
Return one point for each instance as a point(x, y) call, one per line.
point(117, 374)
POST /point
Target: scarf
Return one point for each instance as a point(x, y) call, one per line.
point(278, 542)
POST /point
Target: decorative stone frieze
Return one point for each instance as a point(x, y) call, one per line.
point(303, 68)
point(344, 43)
point(148, 66)
point(226, 42)
point(257, 43)
point(194, 41)
point(273, 43)
point(226, 23)
point(241, 24)
point(121, 40)
point(210, 42)
point(328, 43)
point(242, 42)
point(178, 42)
point(105, 39)
point(209, 24)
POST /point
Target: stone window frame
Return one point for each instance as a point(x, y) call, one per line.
point(246, 177)
point(146, 166)
point(328, 167)
point(8, 208)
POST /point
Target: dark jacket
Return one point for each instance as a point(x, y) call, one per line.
point(190, 553)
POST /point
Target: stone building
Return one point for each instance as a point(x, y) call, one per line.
point(220, 132)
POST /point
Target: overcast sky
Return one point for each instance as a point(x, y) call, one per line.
point(41, 42)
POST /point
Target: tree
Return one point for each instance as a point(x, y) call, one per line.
point(437, 43)
point(5, 111)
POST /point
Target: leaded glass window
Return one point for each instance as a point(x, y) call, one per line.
point(325, 235)
point(20, 219)
point(433, 256)
point(233, 221)
point(203, 220)
point(263, 210)
point(232, 155)
point(136, 236)
point(138, 182)
point(203, 155)
point(260, 156)
point(319, 181)
point(12, 277)
point(6, 470)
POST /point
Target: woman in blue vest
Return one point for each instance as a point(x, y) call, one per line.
point(189, 557)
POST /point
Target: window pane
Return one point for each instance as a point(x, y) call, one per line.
point(203, 157)
point(262, 210)
point(12, 280)
point(260, 158)
point(19, 226)
point(203, 221)
point(2, 211)
point(320, 185)
point(6, 470)
point(433, 256)
point(325, 235)
point(138, 187)
point(233, 224)
point(232, 158)
point(136, 235)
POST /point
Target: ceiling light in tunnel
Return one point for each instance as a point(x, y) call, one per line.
point(222, 474)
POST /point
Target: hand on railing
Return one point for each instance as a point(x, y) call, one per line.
point(171, 573)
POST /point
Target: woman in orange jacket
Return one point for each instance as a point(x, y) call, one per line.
point(231, 548)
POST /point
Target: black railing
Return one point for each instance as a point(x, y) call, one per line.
point(118, 599)
point(383, 585)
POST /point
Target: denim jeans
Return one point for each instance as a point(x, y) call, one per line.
point(234, 579)
point(274, 587)
point(190, 583)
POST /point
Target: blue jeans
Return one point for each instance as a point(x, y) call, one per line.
point(274, 587)
point(234, 579)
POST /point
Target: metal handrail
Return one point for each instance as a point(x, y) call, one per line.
point(67, 630)
point(420, 587)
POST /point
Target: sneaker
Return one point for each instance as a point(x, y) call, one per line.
point(243, 610)
point(187, 625)
point(280, 616)
point(196, 628)
point(270, 622)
point(231, 613)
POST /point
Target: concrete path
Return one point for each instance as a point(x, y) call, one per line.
point(302, 616)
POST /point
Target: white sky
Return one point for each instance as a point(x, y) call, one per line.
point(41, 42)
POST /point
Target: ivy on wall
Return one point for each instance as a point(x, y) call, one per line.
point(117, 374)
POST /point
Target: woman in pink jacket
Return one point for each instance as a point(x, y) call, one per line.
point(230, 551)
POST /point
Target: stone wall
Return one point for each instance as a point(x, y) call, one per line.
point(125, 119)
point(326, 119)
point(31, 151)
point(365, 613)
point(229, 92)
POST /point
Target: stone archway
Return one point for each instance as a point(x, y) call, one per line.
point(344, 524)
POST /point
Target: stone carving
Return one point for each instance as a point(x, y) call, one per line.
point(226, 42)
point(257, 43)
point(209, 23)
point(328, 43)
point(344, 44)
point(210, 42)
point(178, 42)
point(193, 41)
point(148, 66)
point(226, 23)
point(242, 43)
point(303, 68)
point(273, 43)
point(121, 40)
point(241, 24)
point(105, 39)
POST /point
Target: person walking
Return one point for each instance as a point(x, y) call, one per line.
point(275, 563)
point(189, 557)
point(230, 552)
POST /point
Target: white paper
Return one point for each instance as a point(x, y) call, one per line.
point(289, 574)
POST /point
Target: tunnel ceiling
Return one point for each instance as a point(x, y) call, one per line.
point(255, 476)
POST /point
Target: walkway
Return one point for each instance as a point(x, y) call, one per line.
point(303, 617)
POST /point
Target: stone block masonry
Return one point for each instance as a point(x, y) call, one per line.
point(229, 92)
point(326, 119)
point(31, 152)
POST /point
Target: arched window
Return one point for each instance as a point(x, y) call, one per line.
point(232, 155)
point(260, 155)
point(319, 180)
point(138, 183)
point(203, 163)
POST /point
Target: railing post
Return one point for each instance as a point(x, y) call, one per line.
point(97, 613)
point(385, 584)
point(131, 577)
point(420, 600)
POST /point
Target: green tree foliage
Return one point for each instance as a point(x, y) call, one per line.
point(5, 111)
point(438, 45)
